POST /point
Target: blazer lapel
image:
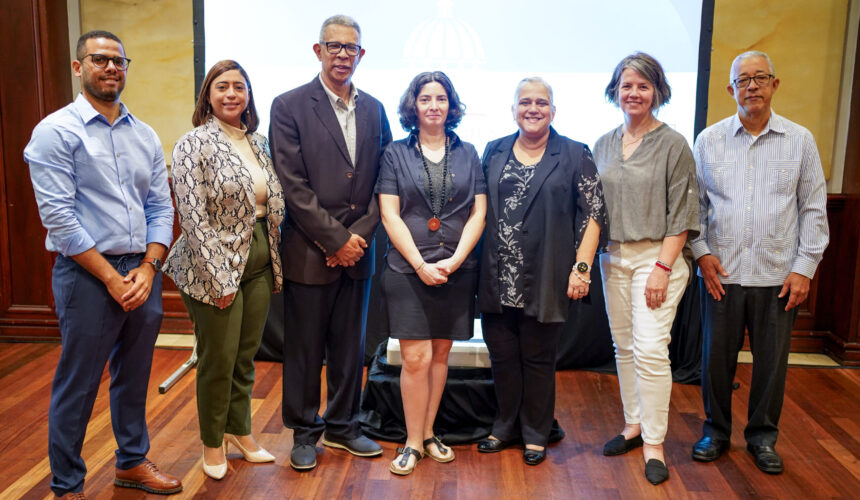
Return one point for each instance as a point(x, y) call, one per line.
point(258, 144)
point(325, 113)
point(496, 163)
point(547, 164)
point(363, 125)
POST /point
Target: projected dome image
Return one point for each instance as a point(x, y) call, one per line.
point(444, 41)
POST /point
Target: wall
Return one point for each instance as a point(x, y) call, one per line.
point(157, 36)
point(805, 40)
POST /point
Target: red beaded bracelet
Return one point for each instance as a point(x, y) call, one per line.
point(663, 266)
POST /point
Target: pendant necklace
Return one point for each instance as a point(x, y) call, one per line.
point(434, 223)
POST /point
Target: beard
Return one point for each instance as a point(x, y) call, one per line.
point(90, 85)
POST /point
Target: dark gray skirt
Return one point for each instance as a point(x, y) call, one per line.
point(416, 311)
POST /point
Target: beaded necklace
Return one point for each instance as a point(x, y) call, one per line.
point(434, 223)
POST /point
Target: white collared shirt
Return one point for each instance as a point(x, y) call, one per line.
point(345, 113)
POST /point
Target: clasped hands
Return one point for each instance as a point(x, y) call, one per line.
point(132, 290)
point(350, 253)
point(436, 273)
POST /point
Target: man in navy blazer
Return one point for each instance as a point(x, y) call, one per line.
point(327, 139)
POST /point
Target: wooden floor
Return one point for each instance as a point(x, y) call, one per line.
point(819, 441)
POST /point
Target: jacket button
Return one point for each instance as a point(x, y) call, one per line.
point(352, 206)
point(349, 175)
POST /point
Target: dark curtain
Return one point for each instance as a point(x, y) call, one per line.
point(585, 343)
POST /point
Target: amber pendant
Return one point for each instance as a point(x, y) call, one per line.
point(434, 224)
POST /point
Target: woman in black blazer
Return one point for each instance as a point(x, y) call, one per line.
point(544, 220)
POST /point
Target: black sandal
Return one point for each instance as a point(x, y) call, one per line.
point(399, 467)
point(443, 456)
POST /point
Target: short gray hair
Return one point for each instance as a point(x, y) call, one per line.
point(340, 20)
point(533, 79)
point(750, 54)
point(650, 69)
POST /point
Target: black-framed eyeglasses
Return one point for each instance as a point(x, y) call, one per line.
point(334, 48)
point(101, 61)
point(744, 81)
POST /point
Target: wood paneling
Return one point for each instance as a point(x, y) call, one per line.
point(839, 279)
point(818, 441)
point(35, 81)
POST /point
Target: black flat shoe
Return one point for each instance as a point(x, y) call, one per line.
point(708, 449)
point(619, 445)
point(534, 457)
point(766, 459)
point(494, 445)
point(656, 471)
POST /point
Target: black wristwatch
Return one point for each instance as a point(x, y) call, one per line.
point(154, 261)
point(582, 267)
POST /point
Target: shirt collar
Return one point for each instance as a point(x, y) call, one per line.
point(453, 138)
point(334, 98)
point(88, 112)
point(775, 124)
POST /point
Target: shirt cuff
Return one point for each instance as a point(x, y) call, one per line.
point(78, 242)
point(700, 248)
point(804, 266)
point(159, 234)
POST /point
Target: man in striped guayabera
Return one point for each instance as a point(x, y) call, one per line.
point(762, 199)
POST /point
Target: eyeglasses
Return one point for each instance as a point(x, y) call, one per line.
point(333, 48)
point(101, 61)
point(744, 81)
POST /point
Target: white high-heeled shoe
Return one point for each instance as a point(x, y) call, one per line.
point(216, 471)
point(259, 456)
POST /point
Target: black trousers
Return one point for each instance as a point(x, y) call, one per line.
point(523, 353)
point(323, 322)
point(760, 311)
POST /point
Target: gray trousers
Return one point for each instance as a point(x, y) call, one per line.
point(760, 311)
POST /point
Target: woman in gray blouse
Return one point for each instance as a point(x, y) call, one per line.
point(544, 220)
point(649, 177)
point(432, 198)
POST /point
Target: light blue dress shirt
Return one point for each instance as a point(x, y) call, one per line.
point(99, 185)
point(762, 201)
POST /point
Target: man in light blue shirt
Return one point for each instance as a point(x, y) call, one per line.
point(762, 197)
point(101, 187)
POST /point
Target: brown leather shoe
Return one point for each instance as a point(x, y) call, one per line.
point(78, 495)
point(147, 477)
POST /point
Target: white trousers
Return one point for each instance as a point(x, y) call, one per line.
point(641, 335)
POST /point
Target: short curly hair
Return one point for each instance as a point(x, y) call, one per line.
point(650, 70)
point(408, 111)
